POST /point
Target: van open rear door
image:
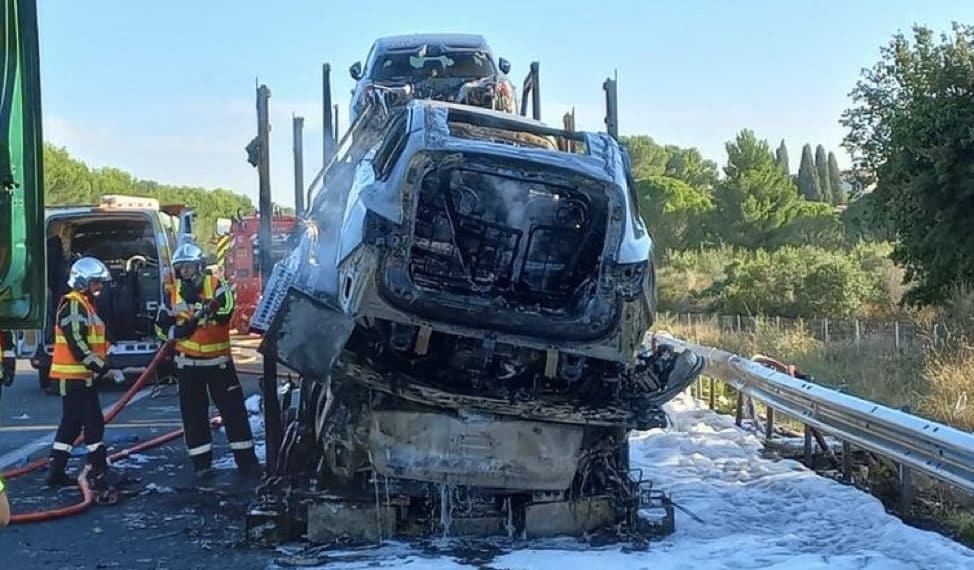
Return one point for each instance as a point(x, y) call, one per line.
point(23, 291)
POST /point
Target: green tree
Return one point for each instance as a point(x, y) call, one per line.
point(647, 157)
point(685, 164)
point(756, 198)
point(781, 156)
point(69, 181)
point(839, 195)
point(909, 129)
point(674, 211)
point(813, 223)
point(808, 183)
point(822, 171)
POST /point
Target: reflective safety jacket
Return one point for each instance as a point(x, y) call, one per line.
point(80, 346)
point(206, 342)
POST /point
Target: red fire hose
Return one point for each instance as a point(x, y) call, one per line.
point(87, 495)
point(109, 416)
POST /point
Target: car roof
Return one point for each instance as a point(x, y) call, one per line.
point(412, 41)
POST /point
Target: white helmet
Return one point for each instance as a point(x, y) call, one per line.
point(188, 253)
point(86, 270)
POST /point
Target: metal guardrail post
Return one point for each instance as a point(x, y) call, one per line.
point(740, 408)
point(846, 461)
point(906, 487)
point(713, 391)
point(808, 446)
point(769, 427)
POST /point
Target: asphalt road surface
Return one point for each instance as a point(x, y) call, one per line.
point(165, 519)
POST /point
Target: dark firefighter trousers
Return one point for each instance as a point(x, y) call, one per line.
point(224, 388)
point(80, 410)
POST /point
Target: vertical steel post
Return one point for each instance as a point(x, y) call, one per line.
point(327, 120)
point(846, 461)
point(769, 427)
point(611, 107)
point(336, 136)
point(739, 416)
point(906, 488)
point(808, 446)
point(272, 407)
point(298, 165)
point(536, 91)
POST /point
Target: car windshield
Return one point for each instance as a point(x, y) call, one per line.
point(415, 66)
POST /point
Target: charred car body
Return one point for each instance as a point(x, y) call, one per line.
point(466, 308)
point(457, 68)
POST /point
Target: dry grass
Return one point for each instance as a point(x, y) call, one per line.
point(932, 381)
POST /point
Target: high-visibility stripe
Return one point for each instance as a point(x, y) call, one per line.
point(79, 318)
point(59, 446)
point(182, 361)
point(212, 347)
point(200, 449)
point(92, 339)
point(242, 444)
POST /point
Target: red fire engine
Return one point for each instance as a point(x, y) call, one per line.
point(241, 263)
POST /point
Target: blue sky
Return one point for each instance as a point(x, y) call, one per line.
point(166, 90)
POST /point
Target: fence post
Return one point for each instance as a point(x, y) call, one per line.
point(896, 333)
point(738, 323)
point(858, 337)
point(826, 325)
point(713, 395)
point(777, 322)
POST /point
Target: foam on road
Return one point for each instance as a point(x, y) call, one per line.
point(757, 513)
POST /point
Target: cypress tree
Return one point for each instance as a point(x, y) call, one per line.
point(822, 169)
point(839, 195)
point(781, 157)
point(808, 183)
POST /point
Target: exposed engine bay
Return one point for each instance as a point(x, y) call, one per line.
point(467, 306)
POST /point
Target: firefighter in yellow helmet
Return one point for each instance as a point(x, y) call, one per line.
point(197, 315)
point(80, 357)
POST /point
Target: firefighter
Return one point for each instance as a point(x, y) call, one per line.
point(80, 358)
point(7, 371)
point(8, 366)
point(197, 316)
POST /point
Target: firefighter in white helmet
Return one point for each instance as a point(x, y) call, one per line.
point(80, 357)
point(197, 315)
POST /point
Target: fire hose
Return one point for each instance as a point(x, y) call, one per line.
point(87, 495)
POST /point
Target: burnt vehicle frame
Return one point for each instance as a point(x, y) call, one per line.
point(373, 382)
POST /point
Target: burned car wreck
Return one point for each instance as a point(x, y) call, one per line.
point(466, 305)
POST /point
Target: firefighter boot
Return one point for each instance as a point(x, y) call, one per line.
point(202, 466)
point(247, 462)
point(56, 475)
